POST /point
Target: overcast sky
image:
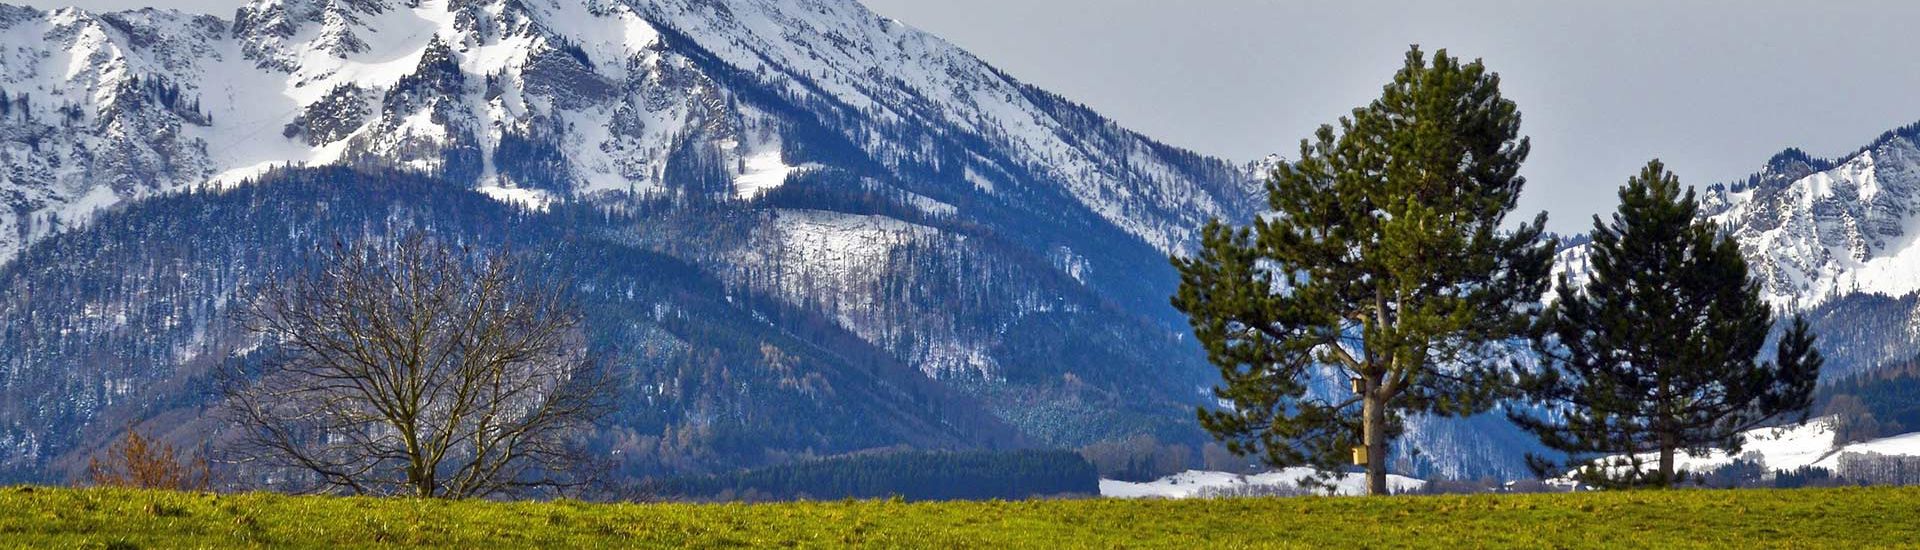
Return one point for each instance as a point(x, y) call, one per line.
point(1712, 87)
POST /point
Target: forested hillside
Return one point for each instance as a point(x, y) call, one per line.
point(715, 376)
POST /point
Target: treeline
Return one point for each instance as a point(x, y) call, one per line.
point(1851, 469)
point(1872, 405)
point(1143, 458)
point(1879, 469)
point(1865, 332)
point(912, 475)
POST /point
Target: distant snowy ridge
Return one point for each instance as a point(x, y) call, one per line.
point(1833, 239)
point(1820, 229)
point(1815, 230)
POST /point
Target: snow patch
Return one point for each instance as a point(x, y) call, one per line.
point(96, 199)
point(764, 172)
point(930, 206)
point(1899, 445)
point(1192, 483)
point(1794, 447)
point(532, 199)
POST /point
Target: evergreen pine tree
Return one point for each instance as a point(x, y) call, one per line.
point(1656, 354)
point(1384, 262)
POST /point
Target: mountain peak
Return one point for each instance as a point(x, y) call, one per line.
point(267, 29)
point(1792, 157)
point(316, 82)
point(1818, 229)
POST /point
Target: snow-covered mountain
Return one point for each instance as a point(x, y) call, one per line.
point(1834, 239)
point(582, 97)
point(810, 172)
point(1820, 229)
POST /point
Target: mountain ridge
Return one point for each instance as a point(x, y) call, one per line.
point(897, 203)
point(1830, 238)
point(557, 70)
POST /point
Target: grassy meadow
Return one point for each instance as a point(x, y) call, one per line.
point(114, 518)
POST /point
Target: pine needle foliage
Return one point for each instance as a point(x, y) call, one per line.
point(1658, 352)
point(1387, 260)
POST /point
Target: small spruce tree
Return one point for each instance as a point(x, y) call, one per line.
point(1657, 352)
point(1385, 262)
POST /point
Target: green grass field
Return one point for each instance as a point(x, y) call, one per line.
point(1836, 518)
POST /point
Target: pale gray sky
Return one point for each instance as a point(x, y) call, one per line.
point(1712, 87)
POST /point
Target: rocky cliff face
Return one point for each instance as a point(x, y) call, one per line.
point(1818, 230)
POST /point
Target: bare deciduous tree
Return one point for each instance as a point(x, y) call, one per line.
point(417, 368)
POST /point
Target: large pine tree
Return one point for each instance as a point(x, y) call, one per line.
point(1385, 263)
point(1657, 352)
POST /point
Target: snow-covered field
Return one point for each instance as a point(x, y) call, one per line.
point(1786, 448)
point(1192, 483)
point(1794, 447)
point(1902, 445)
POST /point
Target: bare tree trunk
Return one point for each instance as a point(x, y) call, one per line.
point(1374, 436)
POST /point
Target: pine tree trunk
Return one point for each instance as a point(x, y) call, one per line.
point(1666, 460)
point(1374, 436)
point(1668, 439)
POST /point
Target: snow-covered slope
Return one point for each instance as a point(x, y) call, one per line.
point(1899, 445)
point(586, 97)
point(1784, 448)
point(1822, 229)
point(840, 51)
point(1796, 446)
point(1816, 230)
point(1198, 483)
point(93, 112)
point(823, 165)
point(1834, 239)
point(613, 102)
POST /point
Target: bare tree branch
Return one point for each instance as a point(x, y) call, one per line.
point(417, 368)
